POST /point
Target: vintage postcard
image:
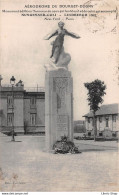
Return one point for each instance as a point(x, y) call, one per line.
point(59, 96)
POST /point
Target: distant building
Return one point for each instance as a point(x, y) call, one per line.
point(79, 126)
point(107, 121)
point(26, 110)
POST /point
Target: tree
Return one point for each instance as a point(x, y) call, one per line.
point(96, 90)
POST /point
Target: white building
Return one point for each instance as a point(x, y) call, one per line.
point(22, 109)
point(107, 121)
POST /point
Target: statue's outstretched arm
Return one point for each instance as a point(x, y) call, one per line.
point(72, 34)
point(53, 34)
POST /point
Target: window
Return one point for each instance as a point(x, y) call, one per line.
point(114, 118)
point(113, 134)
point(10, 119)
point(100, 134)
point(33, 102)
point(89, 133)
point(107, 121)
point(9, 101)
point(33, 119)
point(100, 119)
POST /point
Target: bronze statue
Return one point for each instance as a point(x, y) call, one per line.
point(58, 43)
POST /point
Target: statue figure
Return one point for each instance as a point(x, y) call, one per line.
point(57, 45)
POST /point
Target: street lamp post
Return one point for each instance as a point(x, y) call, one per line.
point(12, 81)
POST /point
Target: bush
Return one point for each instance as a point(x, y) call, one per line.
point(65, 146)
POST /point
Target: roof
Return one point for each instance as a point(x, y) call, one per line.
point(105, 110)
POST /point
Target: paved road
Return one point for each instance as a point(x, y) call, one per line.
point(24, 166)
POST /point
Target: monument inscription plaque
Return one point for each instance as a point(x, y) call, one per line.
point(60, 87)
point(62, 123)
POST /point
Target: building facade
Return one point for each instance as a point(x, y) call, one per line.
point(107, 121)
point(21, 109)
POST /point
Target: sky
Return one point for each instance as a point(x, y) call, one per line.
point(24, 52)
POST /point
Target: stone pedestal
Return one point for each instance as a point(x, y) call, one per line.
point(58, 106)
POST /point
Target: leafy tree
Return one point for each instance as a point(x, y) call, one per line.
point(96, 90)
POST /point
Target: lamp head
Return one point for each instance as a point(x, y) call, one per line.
point(12, 80)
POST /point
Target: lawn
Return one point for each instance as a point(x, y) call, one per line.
point(25, 166)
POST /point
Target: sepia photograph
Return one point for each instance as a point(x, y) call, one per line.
point(59, 96)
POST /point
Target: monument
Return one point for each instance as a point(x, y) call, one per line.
point(58, 91)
